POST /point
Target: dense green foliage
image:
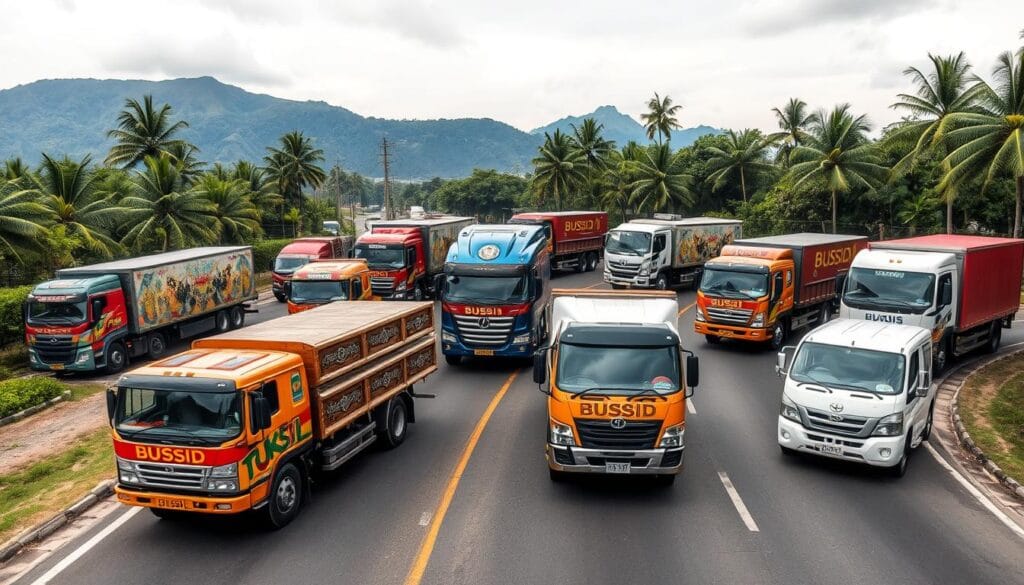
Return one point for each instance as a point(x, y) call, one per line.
point(12, 325)
point(264, 252)
point(17, 394)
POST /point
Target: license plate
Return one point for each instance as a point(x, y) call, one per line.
point(56, 366)
point(483, 352)
point(610, 467)
point(173, 503)
point(831, 449)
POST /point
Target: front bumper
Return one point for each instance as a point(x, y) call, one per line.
point(520, 350)
point(732, 332)
point(642, 462)
point(794, 436)
point(637, 281)
point(185, 503)
point(84, 361)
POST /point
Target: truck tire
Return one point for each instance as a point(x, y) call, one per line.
point(156, 345)
point(285, 497)
point(900, 469)
point(393, 422)
point(223, 321)
point(712, 339)
point(778, 335)
point(592, 263)
point(825, 315)
point(940, 359)
point(995, 337)
point(927, 432)
point(280, 297)
point(661, 283)
point(453, 360)
point(417, 292)
point(117, 358)
point(237, 317)
point(168, 514)
point(581, 262)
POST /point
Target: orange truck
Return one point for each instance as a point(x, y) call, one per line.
point(322, 282)
point(244, 420)
point(762, 289)
point(617, 384)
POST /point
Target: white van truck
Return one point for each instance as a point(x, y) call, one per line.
point(858, 391)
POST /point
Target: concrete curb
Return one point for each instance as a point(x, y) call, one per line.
point(964, 438)
point(40, 531)
point(34, 409)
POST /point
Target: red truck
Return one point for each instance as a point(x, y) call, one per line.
point(575, 238)
point(302, 251)
point(964, 289)
point(406, 254)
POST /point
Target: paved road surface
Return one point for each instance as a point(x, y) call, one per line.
point(806, 521)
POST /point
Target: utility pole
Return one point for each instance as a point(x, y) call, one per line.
point(386, 162)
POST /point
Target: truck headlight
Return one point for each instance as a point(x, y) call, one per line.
point(229, 470)
point(223, 478)
point(448, 337)
point(561, 434)
point(789, 409)
point(126, 471)
point(673, 437)
point(890, 426)
point(699, 315)
point(758, 320)
point(401, 286)
point(84, 356)
point(222, 485)
point(524, 338)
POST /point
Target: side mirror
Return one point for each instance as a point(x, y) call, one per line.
point(540, 366)
point(946, 294)
point(922, 383)
point(262, 410)
point(97, 306)
point(781, 358)
point(111, 405)
point(438, 285)
point(692, 371)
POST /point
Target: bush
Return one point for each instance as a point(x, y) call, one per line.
point(21, 393)
point(12, 326)
point(263, 253)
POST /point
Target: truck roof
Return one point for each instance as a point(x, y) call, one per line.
point(516, 244)
point(615, 335)
point(801, 240)
point(76, 286)
point(337, 269)
point(953, 243)
point(420, 222)
point(868, 335)
point(129, 264)
point(614, 308)
point(908, 260)
point(686, 221)
point(543, 214)
point(242, 366)
point(389, 237)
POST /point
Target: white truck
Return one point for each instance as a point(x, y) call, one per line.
point(667, 250)
point(858, 391)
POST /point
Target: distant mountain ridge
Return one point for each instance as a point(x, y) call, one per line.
point(227, 123)
point(622, 128)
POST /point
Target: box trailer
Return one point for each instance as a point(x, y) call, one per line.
point(576, 238)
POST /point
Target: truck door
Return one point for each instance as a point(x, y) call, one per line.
point(410, 261)
point(661, 252)
point(943, 314)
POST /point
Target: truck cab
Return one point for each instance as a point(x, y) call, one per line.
point(319, 283)
point(744, 294)
point(494, 292)
point(858, 391)
point(299, 253)
point(617, 384)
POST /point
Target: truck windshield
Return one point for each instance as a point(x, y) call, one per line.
point(312, 291)
point(728, 283)
point(628, 243)
point(849, 368)
point(618, 370)
point(486, 290)
point(889, 290)
point(289, 264)
point(149, 415)
point(56, 313)
point(382, 258)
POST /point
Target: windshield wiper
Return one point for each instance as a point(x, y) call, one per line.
point(816, 381)
point(194, 440)
point(591, 389)
point(730, 293)
point(647, 391)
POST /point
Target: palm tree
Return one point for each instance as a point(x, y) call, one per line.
point(915, 209)
point(22, 220)
point(619, 174)
point(68, 190)
point(184, 156)
point(237, 218)
point(14, 169)
point(142, 131)
point(595, 148)
point(660, 118)
point(261, 190)
point(164, 213)
point(294, 167)
point(940, 93)
point(661, 180)
point(793, 120)
point(990, 142)
point(558, 169)
point(837, 154)
point(743, 157)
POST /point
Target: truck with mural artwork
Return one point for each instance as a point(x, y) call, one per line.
point(247, 419)
point(100, 316)
point(575, 238)
point(665, 251)
point(405, 255)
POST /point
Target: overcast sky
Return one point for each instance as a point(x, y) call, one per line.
point(728, 62)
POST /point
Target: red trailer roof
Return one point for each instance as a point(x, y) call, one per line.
point(946, 242)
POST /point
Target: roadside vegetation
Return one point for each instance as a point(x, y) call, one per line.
point(992, 408)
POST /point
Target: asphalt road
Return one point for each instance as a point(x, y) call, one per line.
point(807, 520)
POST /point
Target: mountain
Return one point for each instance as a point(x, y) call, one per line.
point(622, 128)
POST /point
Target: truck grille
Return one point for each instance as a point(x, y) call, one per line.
point(851, 426)
point(730, 316)
point(184, 477)
point(599, 434)
point(622, 270)
point(382, 286)
point(55, 349)
point(484, 331)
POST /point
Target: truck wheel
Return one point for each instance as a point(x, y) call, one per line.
point(941, 358)
point(995, 337)
point(453, 360)
point(156, 345)
point(778, 335)
point(395, 419)
point(167, 514)
point(581, 262)
point(900, 469)
point(285, 497)
point(661, 283)
point(237, 317)
point(223, 321)
point(712, 339)
point(592, 263)
point(789, 452)
point(927, 432)
point(117, 358)
point(280, 297)
point(826, 314)
point(417, 292)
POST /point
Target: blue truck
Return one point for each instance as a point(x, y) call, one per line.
point(494, 291)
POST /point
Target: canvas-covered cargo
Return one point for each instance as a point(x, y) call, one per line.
point(162, 289)
point(696, 240)
point(438, 233)
point(571, 232)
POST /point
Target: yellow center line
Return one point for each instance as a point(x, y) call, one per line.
point(685, 309)
point(419, 565)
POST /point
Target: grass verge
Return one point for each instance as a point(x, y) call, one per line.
point(32, 494)
point(992, 408)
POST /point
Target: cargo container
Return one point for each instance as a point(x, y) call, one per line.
point(762, 289)
point(98, 316)
point(575, 238)
point(243, 420)
point(964, 289)
point(302, 251)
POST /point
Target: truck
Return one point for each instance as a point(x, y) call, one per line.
point(248, 419)
point(302, 251)
point(964, 289)
point(665, 251)
point(763, 289)
point(98, 317)
point(858, 391)
point(406, 255)
point(575, 238)
point(618, 384)
point(494, 292)
point(326, 281)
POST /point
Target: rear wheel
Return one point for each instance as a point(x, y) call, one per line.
point(285, 497)
point(237, 317)
point(453, 360)
point(156, 345)
point(117, 358)
point(826, 314)
point(581, 262)
point(592, 264)
point(995, 337)
point(395, 419)
point(223, 321)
